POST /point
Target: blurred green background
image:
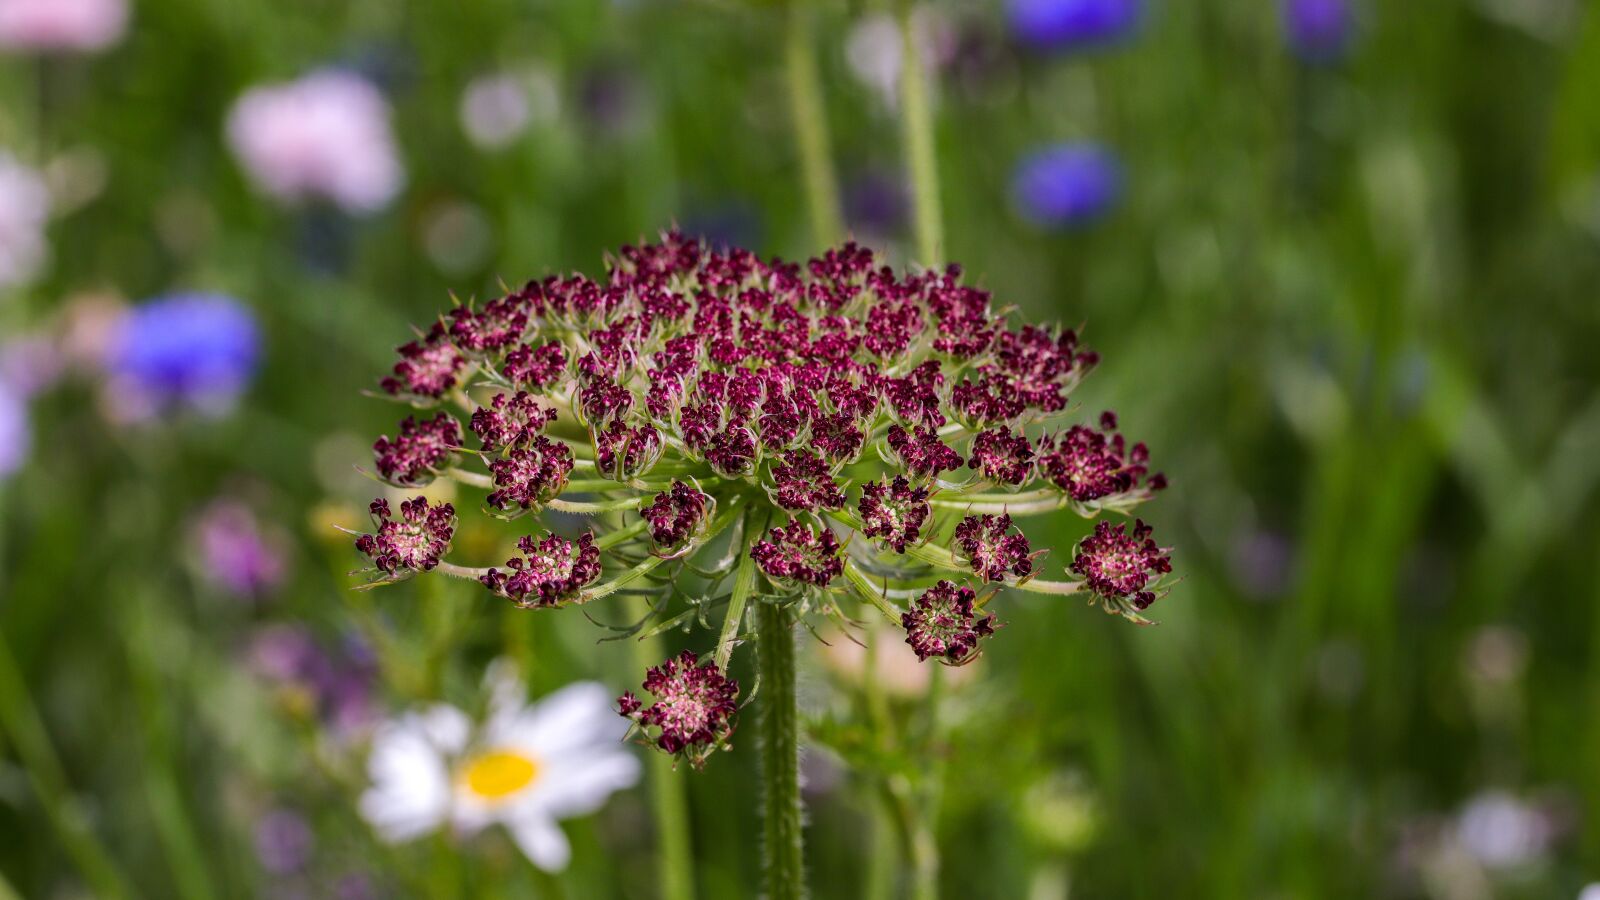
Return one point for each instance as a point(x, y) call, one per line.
point(1351, 305)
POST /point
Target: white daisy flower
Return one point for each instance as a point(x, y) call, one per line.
point(524, 767)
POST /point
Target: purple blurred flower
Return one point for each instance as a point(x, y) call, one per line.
point(1318, 31)
point(196, 351)
point(325, 135)
point(235, 553)
point(875, 203)
point(1067, 185)
point(1063, 25)
point(15, 435)
point(337, 685)
point(65, 25)
point(30, 364)
point(24, 210)
point(283, 842)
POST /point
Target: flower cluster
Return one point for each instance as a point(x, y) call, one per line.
point(992, 548)
point(694, 708)
point(943, 622)
point(550, 572)
point(894, 513)
point(675, 514)
point(1120, 567)
point(415, 542)
point(812, 432)
point(797, 554)
point(418, 452)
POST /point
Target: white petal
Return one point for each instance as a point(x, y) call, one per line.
point(580, 785)
point(508, 696)
point(447, 727)
point(576, 716)
point(410, 784)
point(542, 841)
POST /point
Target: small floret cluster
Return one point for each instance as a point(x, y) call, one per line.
point(821, 434)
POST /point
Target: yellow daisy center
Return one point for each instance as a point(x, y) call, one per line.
point(497, 774)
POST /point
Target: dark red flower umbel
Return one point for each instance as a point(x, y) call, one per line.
point(988, 543)
point(550, 572)
point(894, 513)
point(427, 368)
point(1003, 456)
point(531, 476)
point(694, 708)
point(675, 515)
point(1095, 465)
point(802, 482)
point(797, 554)
point(942, 623)
point(419, 452)
point(706, 394)
point(510, 420)
point(415, 542)
point(1119, 566)
point(921, 453)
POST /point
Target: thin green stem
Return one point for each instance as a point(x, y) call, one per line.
point(811, 128)
point(589, 509)
point(917, 129)
point(21, 722)
point(780, 754)
point(744, 579)
point(670, 803)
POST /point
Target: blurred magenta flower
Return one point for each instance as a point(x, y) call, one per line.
point(1318, 31)
point(24, 210)
point(61, 25)
point(236, 553)
point(184, 351)
point(325, 135)
point(283, 841)
point(15, 434)
point(1072, 24)
point(1067, 185)
point(336, 687)
point(525, 766)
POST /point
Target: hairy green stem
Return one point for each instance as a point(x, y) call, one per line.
point(780, 753)
point(916, 119)
point(811, 128)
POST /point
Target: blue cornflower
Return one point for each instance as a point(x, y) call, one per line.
point(1067, 185)
point(195, 351)
point(1072, 24)
point(1318, 31)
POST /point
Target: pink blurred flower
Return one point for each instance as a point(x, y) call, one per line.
point(24, 209)
point(235, 552)
point(324, 135)
point(68, 25)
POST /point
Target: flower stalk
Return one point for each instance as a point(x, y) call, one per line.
point(917, 128)
point(811, 127)
point(780, 753)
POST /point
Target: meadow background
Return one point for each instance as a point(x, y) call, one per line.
point(1350, 297)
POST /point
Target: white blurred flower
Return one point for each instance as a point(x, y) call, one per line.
point(525, 767)
point(497, 108)
point(1590, 891)
point(1501, 831)
point(24, 209)
point(326, 134)
point(874, 49)
point(75, 25)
